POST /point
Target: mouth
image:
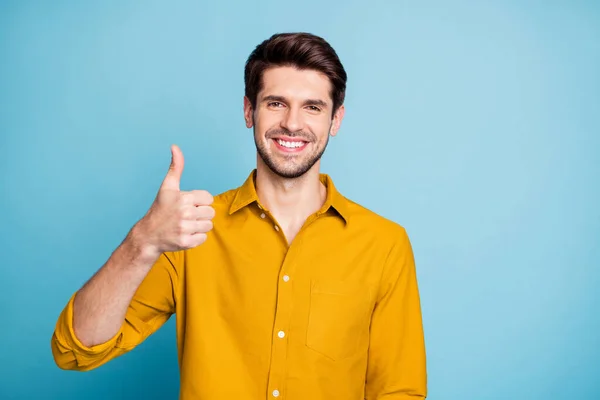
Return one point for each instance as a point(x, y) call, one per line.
point(290, 145)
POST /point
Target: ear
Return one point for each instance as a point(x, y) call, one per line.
point(248, 113)
point(337, 120)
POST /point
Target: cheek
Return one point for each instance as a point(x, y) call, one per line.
point(321, 129)
point(264, 122)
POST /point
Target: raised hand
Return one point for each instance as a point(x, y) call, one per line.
point(177, 220)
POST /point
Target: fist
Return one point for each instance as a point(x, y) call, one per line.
point(177, 220)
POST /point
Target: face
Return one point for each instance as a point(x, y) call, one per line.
point(293, 120)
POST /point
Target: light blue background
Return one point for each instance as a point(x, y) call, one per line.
point(476, 126)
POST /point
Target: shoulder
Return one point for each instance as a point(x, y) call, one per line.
point(222, 201)
point(382, 228)
point(388, 237)
point(228, 202)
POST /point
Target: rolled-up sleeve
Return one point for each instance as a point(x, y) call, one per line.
point(397, 366)
point(151, 306)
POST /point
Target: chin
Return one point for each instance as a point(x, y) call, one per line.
point(289, 173)
point(286, 168)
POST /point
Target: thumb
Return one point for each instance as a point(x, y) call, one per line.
point(173, 177)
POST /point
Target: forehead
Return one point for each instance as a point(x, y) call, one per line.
point(296, 83)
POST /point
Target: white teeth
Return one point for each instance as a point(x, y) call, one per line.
point(290, 145)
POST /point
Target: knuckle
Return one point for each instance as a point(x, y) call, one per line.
point(182, 242)
point(185, 214)
point(184, 198)
point(185, 242)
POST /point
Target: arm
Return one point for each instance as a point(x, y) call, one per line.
point(396, 367)
point(99, 307)
point(133, 294)
point(127, 300)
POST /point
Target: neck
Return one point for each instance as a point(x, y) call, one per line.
point(290, 201)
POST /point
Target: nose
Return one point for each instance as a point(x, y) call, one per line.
point(292, 120)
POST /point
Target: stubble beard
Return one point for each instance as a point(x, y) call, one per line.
point(286, 169)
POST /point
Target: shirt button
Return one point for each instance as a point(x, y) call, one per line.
point(286, 278)
point(262, 215)
point(275, 393)
point(281, 334)
point(276, 228)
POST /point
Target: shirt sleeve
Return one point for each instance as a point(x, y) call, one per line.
point(396, 366)
point(151, 306)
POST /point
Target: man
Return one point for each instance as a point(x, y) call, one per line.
point(282, 288)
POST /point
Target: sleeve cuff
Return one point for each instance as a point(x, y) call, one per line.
point(65, 335)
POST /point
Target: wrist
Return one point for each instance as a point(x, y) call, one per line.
point(141, 246)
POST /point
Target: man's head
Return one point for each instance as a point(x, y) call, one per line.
point(295, 87)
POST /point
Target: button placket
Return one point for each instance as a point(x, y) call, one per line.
point(282, 322)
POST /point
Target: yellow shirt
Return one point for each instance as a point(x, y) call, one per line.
point(334, 315)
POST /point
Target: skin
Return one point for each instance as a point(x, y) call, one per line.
point(177, 220)
point(293, 104)
point(287, 184)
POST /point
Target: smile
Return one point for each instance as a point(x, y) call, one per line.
point(290, 145)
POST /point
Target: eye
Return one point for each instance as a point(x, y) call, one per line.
point(314, 108)
point(275, 104)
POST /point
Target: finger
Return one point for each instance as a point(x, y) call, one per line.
point(194, 213)
point(204, 212)
point(194, 227)
point(197, 198)
point(203, 226)
point(173, 178)
point(198, 238)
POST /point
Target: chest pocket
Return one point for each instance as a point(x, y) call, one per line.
point(338, 320)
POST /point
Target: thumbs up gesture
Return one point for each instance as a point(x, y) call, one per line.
point(177, 220)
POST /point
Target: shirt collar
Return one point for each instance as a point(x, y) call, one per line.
point(246, 194)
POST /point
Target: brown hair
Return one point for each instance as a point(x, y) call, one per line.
point(300, 50)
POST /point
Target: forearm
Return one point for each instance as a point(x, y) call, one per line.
point(100, 306)
point(133, 293)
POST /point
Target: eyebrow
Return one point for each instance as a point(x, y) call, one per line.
point(309, 102)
